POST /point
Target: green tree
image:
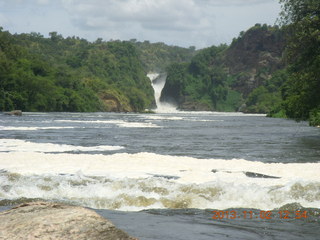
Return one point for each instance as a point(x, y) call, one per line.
point(301, 18)
point(201, 83)
point(57, 74)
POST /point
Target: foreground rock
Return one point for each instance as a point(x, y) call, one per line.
point(42, 220)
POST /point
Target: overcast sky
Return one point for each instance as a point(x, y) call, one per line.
point(185, 23)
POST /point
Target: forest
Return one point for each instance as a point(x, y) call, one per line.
point(72, 74)
point(266, 69)
point(245, 76)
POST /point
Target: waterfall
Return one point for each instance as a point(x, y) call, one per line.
point(158, 81)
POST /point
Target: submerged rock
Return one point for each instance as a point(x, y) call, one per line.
point(43, 220)
point(14, 113)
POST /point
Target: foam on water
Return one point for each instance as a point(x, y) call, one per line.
point(158, 117)
point(137, 125)
point(146, 180)
point(161, 117)
point(31, 128)
point(15, 145)
point(119, 123)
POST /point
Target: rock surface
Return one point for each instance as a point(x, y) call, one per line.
point(254, 57)
point(14, 113)
point(43, 220)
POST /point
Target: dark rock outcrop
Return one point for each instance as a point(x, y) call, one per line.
point(188, 105)
point(254, 56)
point(115, 102)
point(43, 220)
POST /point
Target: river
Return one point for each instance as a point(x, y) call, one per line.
point(177, 175)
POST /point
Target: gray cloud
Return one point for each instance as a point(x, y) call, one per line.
point(180, 22)
point(162, 15)
point(3, 20)
point(233, 2)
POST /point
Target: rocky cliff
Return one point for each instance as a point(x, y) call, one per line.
point(254, 56)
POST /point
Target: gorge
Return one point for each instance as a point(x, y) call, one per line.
point(250, 75)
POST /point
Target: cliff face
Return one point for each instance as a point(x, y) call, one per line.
point(250, 49)
point(254, 56)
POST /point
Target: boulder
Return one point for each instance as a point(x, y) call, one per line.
point(44, 220)
point(14, 113)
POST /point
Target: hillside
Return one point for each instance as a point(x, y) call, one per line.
point(254, 56)
point(71, 74)
point(226, 78)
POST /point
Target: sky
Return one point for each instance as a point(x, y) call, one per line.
point(199, 23)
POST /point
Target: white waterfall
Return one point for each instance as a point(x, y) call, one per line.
point(158, 81)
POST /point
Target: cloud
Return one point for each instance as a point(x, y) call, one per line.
point(233, 2)
point(3, 20)
point(43, 2)
point(167, 21)
point(174, 15)
point(160, 15)
point(18, 4)
point(179, 22)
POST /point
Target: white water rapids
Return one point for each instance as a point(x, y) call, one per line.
point(134, 162)
point(146, 180)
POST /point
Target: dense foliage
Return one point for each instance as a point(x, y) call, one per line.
point(245, 75)
point(267, 97)
point(265, 70)
point(202, 84)
point(72, 74)
point(301, 93)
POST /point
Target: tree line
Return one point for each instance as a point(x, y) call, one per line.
point(301, 91)
point(266, 69)
point(70, 74)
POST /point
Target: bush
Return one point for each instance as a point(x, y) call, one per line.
point(315, 118)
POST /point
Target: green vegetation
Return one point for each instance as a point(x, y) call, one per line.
point(72, 74)
point(301, 92)
point(157, 56)
point(267, 97)
point(245, 75)
point(267, 69)
point(201, 84)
